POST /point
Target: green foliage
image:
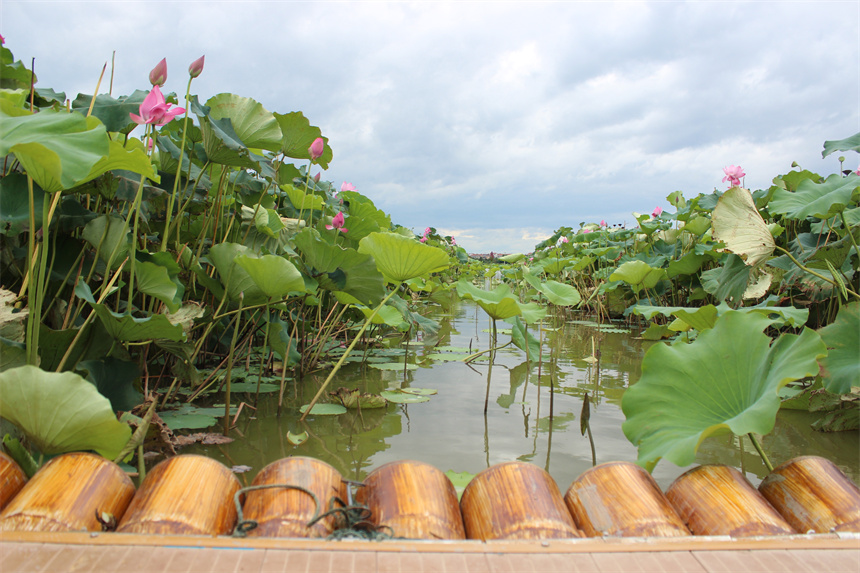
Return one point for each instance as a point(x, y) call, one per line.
point(727, 380)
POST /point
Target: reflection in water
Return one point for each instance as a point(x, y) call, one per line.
point(534, 418)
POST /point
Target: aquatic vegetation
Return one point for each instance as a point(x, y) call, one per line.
point(206, 250)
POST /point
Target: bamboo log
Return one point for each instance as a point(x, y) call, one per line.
point(187, 494)
point(67, 494)
point(718, 500)
point(813, 495)
point(413, 500)
point(515, 500)
point(12, 479)
point(621, 499)
point(285, 512)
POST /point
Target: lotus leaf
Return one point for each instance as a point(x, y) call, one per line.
point(401, 397)
point(299, 134)
point(499, 303)
point(738, 224)
point(638, 274)
point(841, 368)
point(275, 276)
point(401, 258)
point(324, 409)
point(848, 144)
point(822, 200)
point(57, 149)
point(353, 398)
point(60, 412)
point(726, 381)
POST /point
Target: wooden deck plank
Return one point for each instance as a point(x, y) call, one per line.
point(62, 553)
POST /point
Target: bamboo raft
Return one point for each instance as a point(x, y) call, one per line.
point(806, 502)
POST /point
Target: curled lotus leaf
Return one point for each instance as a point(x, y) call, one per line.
point(61, 412)
point(727, 380)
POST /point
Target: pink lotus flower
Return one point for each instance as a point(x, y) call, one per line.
point(158, 75)
point(337, 223)
point(155, 110)
point(427, 231)
point(2, 40)
point(586, 230)
point(857, 172)
point(453, 242)
point(733, 174)
point(317, 177)
point(602, 223)
point(348, 187)
point(316, 149)
point(561, 240)
point(656, 212)
point(196, 67)
point(423, 239)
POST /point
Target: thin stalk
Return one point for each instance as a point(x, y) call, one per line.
point(230, 368)
point(760, 451)
point(813, 273)
point(346, 354)
point(172, 199)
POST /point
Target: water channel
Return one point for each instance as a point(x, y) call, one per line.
point(525, 420)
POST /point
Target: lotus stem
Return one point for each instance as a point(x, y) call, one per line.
point(813, 273)
point(760, 451)
point(345, 355)
point(230, 367)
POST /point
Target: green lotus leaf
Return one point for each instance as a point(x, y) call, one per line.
point(127, 328)
point(113, 112)
point(364, 217)
point(297, 439)
point(395, 366)
point(727, 380)
point(15, 204)
point(234, 277)
point(275, 276)
point(841, 368)
point(60, 412)
point(738, 224)
point(401, 258)
point(299, 134)
point(255, 126)
point(687, 265)
point(108, 233)
point(401, 397)
point(157, 275)
point(324, 409)
point(638, 274)
point(302, 200)
point(848, 144)
point(524, 340)
point(822, 200)
point(560, 294)
point(499, 303)
point(56, 148)
point(343, 269)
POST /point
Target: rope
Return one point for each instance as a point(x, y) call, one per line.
point(352, 518)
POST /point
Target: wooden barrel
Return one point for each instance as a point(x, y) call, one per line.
point(413, 500)
point(622, 499)
point(187, 494)
point(285, 512)
point(813, 495)
point(12, 479)
point(67, 493)
point(718, 500)
point(515, 500)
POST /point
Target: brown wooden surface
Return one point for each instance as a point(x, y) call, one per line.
point(12, 479)
point(515, 500)
point(622, 499)
point(813, 495)
point(66, 493)
point(188, 494)
point(283, 512)
point(718, 500)
point(413, 500)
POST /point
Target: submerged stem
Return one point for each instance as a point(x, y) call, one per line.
point(760, 451)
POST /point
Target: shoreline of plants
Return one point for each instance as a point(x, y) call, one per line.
point(138, 270)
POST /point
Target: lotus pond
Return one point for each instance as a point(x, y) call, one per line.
point(141, 274)
point(527, 419)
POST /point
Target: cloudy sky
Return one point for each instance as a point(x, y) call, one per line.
point(496, 122)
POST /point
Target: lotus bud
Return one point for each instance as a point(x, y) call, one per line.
point(316, 148)
point(196, 67)
point(158, 75)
